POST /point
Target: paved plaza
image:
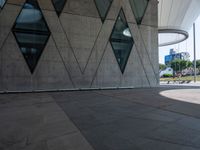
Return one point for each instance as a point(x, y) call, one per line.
point(165, 118)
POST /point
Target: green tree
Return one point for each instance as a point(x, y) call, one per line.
point(197, 64)
point(179, 65)
point(162, 66)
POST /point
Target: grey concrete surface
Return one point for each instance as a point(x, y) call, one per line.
point(178, 84)
point(36, 122)
point(140, 119)
point(78, 54)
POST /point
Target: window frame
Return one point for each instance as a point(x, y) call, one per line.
point(31, 32)
point(131, 40)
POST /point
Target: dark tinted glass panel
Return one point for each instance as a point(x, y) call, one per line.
point(121, 41)
point(59, 5)
point(103, 7)
point(139, 8)
point(31, 46)
point(31, 32)
point(2, 3)
point(31, 17)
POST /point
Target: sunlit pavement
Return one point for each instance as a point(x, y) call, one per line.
point(165, 118)
point(192, 83)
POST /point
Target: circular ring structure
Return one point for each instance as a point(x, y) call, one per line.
point(171, 36)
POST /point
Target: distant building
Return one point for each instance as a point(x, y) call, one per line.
point(172, 51)
point(173, 55)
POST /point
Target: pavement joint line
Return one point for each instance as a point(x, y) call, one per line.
point(65, 134)
point(168, 122)
point(95, 126)
point(119, 98)
point(163, 125)
point(160, 108)
point(170, 142)
point(49, 138)
point(101, 124)
point(188, 115)
point(78, 129)
point(25, 105)
point(134, 117)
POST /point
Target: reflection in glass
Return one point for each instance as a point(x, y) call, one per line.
point(31, 17)
point(2, 2)
point(103, 7)
point(121, 41)
point(31, 32)
point(139, 8)
point(30, 51)
point(59, 5)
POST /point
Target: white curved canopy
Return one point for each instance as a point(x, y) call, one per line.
point(177, 14)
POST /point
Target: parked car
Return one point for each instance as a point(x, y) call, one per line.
point(168, 71)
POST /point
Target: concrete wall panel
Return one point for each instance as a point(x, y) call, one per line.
point(82, 8)
point(6, 22)
point(46, 5)
point(150, 38)
point(16, 2)
point(108, 74)
point(63, 45)
point(82, 33)
point(78, 53)
point(151, 15)
point(134, 74)
point(128, 11)
point(98, 51)
point(144, 55)
point(51, 72)
point(114, 10)
point(15, 72)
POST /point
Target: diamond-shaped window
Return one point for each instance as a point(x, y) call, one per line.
point(58, 5)
point(121, 40)
point(2, 3)
point(31, 32)
point(103, 7)
point(139, 8)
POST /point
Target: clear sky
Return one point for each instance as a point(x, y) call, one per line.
point(186, 46)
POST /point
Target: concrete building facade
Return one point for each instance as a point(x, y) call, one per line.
point(79, 53)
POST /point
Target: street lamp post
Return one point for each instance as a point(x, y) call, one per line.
point(195, 71)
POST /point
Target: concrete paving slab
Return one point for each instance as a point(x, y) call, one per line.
point(139, 119)
point(175, 133)
point(74, 141)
